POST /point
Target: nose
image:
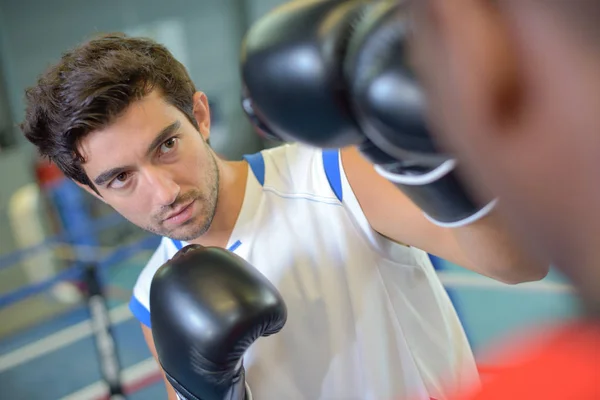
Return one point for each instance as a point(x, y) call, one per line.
point(162, 186)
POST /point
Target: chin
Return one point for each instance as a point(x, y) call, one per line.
point(190, 231)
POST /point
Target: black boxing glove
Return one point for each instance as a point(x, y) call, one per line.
point(292, 72)
point(334, 74)
point(208, 306)
point(390, 109)
point(259, 126)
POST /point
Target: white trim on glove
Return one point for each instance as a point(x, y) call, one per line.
point(248, 392)
point(430, 177)
point(467, 221)
point(418, 180)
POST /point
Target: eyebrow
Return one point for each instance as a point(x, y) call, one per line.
point(158, 140)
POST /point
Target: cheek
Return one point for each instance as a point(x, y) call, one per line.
point(449, 114)
point(521, 180)
point(194, 164)
point(137, 211)
point(492, 166)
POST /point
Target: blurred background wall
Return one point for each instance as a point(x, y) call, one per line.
point(206, 36)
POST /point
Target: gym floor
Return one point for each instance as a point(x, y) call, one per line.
point(56, 358)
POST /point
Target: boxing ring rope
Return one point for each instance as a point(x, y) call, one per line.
point(99, 224)
point(74, 271)
point(94, 260)
point(88, 265)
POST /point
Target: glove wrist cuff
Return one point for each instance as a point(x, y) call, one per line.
point(486, 210)
point(440, 195)
point(418, 180)
point(248, 392)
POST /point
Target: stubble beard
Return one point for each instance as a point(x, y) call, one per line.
point(198, 226)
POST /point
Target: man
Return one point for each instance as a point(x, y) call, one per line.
point(527, 125)
point(367, 317)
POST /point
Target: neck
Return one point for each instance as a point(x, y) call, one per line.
point(232, 186)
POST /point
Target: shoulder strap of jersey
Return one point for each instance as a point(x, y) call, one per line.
point(331, 164)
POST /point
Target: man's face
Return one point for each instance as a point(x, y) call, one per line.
point(154, 168)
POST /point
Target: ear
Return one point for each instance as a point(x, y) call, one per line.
point(469, 65)
point(90, 191)
point(202, 113)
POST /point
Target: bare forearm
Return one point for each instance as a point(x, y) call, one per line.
point(488, 248)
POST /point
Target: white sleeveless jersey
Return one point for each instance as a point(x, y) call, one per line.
point(367, 318)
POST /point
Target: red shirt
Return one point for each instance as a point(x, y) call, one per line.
point(566, 366)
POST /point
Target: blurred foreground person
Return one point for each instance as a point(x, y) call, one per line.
point(513, 89)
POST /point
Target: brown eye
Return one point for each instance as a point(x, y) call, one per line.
point(120, 181)
point(168, 145)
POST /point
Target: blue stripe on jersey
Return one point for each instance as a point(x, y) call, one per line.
point(179, 245)
point(257, 164)
point(235, 246)
point(331, 163)
point(139, 311)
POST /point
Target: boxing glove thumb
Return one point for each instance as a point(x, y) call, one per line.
point(207, 307)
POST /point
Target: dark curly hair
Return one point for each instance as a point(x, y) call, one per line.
point(90, 86)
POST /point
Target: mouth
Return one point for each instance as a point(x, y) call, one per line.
point(180, 214)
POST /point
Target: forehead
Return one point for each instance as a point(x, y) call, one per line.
point(129, 134)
